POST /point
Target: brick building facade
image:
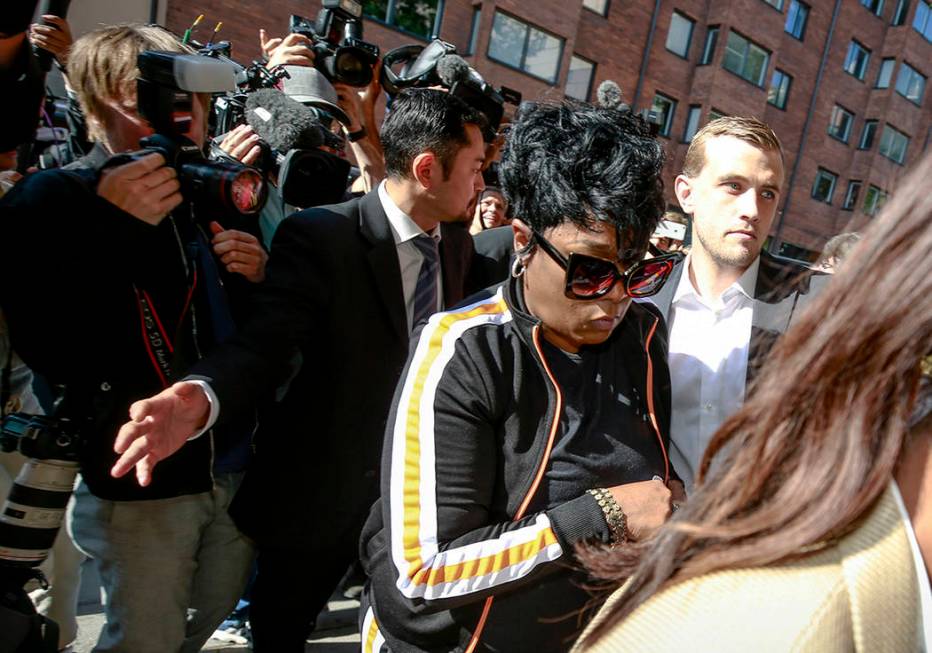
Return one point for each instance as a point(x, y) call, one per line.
point(842, 82)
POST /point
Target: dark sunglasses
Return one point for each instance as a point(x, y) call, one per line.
point(589, 277)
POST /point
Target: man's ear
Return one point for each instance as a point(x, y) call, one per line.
point(425, 169)
point(682, 186)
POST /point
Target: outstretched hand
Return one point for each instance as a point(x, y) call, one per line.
point(158, 428)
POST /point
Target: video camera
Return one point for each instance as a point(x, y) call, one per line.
point(339, 51)
point(165, 91)
point(437, 64)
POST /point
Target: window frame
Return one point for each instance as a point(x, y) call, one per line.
point(474, 26)
point(923, 7)
point(667, 127)
point(603, 13)
point(888, 128)
point(831, 193)
point(803, 7)
point(776, 4)
point(390, 14)
point(786, 95)
point(878, 11)
point(867, 60)
point(750, 44)
point(695, 110)
point(900, 12)
point(709, 44)
point(851, 199)
point(905, 67)
point(891, 61)
point(837, 108)
point(592, 67)
point(689, 36)
point(527, 38)
point(879, 197)
point(869, 133)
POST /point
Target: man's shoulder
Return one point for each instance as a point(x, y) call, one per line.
point(49, 188)
point(778, 278)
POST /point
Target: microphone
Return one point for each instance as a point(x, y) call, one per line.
point(452, 68)
point(285, 124)
point(609, 95)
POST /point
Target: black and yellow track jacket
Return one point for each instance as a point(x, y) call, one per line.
point(461, 552)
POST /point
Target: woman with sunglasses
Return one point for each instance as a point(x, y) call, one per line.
point(810, 528)
point(536, 416)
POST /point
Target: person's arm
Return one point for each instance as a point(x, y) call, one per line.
point(284, 309)
point(360, 108)
point(449, 543)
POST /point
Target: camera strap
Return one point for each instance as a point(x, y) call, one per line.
point(160, 347)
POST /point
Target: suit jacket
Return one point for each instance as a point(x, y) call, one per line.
point(860, 594)
point(782, 290)
point(331, 318)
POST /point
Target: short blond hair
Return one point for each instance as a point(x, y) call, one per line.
point(102, 67)
point(750, 130)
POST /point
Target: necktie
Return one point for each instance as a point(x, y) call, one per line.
point(427, 288)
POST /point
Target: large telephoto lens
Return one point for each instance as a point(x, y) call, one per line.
point(352, 66)
point(34, 510)
point(229, 188)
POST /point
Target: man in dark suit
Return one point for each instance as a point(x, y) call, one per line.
point(727, 303)
point(344, 287)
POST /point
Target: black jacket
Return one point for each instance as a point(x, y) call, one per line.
point(331, 318)
point(461, 517)
point(70, 263)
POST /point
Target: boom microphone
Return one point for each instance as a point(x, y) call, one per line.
point(609, 95)
point(285, 124)
point(452, 68)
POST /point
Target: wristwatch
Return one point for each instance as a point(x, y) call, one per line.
point(357, 135)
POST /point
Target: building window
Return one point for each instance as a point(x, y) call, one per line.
point(851, 195)
point(857, 60)
point(886, 73)
point(417, 18)
point(776, 4)
point(692, 123)
point(796, 19)
point(579, 79)
point(899, 14)
point(824, 186)
point(745, 59)
point(517, 44)
point(910, 83)
point(779, 88)
point(680, 34)
point(708, 50)
point(867, 135)
point(598, 6)
point(893, 144)
point(873, 6)
point(663, 109)
point(839, 125)
point(474, 29)
point(922, 23)
point(715, 114)
point(873, 200)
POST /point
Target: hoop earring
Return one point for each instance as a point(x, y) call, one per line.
point(518, 267)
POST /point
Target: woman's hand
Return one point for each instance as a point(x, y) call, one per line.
point(646, 504)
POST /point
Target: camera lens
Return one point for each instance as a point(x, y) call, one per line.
point(247, 190)
point(351, 66)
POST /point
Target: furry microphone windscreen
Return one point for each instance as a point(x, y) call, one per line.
point(609, 95)
point(452, 68)
point(283, 123)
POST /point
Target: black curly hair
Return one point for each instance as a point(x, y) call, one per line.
point(574, 162)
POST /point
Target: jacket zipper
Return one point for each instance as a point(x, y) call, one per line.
point(650, 402)
point(535, 336)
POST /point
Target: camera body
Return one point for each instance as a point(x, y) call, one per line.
point(165, 91)
point(340, 53)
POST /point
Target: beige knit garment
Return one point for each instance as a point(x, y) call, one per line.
point(859, 595)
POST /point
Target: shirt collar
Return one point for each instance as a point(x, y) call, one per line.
point(745, 284)
point(403, 227)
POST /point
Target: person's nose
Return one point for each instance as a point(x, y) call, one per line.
point(748, 205)
point(479, 182)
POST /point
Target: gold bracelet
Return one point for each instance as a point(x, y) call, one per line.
point(614, 515)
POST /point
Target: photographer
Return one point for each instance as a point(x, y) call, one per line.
point(132, 306)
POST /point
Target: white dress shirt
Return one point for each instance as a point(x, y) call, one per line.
point(709, 343)
point(404, 231)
